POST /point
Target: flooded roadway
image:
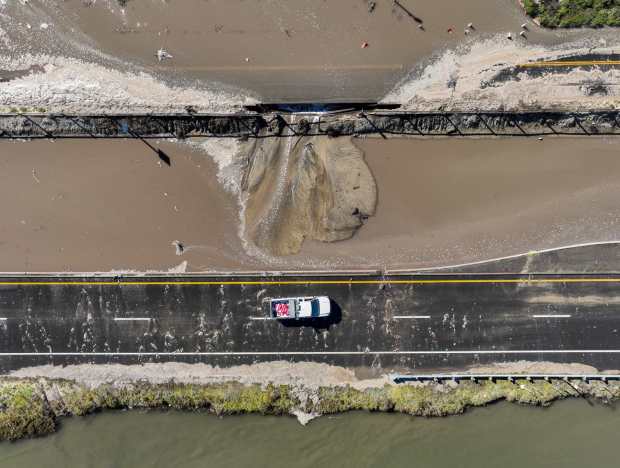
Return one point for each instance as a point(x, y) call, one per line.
point(571, 434)
point(281, 50)
point(112, 205)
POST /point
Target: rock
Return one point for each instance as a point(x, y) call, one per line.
point(304, 418)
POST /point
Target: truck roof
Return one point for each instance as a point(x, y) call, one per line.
point(300, 307)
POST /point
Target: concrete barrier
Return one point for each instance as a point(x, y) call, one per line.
point(403, 378)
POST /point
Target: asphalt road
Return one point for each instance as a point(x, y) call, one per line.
point(399, 322)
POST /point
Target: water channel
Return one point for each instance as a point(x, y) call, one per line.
point(572, 433)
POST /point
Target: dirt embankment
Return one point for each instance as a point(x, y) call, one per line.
point(304, 187)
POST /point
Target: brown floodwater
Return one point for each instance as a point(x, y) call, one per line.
point(571, 434)
point(104, 205)
point(450, 201)
point(291, 50)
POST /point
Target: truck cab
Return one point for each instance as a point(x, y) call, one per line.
point(296, 308)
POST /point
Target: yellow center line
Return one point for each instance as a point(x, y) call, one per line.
point(313, 282)
point(569, 63)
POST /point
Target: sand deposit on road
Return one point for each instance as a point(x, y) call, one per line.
point(308, 374)
point(64, 85)
point(309, 187)
point(311, 375)
point(467, 78)
point(290, 189)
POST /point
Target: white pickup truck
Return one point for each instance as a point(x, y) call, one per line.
point(296, 308)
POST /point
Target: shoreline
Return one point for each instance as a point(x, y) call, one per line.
point(32, 406)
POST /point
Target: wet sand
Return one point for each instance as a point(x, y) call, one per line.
point(102, 205)
point(295, 50)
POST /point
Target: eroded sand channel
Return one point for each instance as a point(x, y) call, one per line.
point(105, 205)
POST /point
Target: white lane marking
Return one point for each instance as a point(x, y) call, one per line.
point(3, 319)
point(411, 317)
point(551, 316)
point(129, 319)
point(321, 353)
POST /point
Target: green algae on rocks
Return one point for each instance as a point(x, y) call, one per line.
point(32, 407)
point(573, 13)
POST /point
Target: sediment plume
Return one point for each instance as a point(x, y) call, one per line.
point(304, 188)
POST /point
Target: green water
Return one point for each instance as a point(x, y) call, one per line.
point(570, 434)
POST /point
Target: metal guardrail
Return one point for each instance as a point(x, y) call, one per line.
point(356, 123)
point(398, 378)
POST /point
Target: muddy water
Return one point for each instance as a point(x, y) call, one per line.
point(450, 201)
point(98, 206)
point(103, 205)
point(290, 50)
point(570, 434)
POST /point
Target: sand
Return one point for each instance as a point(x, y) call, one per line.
point(310, 187)
point(310, 375)
point(486, 76)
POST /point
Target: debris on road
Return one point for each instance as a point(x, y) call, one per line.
point(179, 247)
point(408, 12)
point(162, 54)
